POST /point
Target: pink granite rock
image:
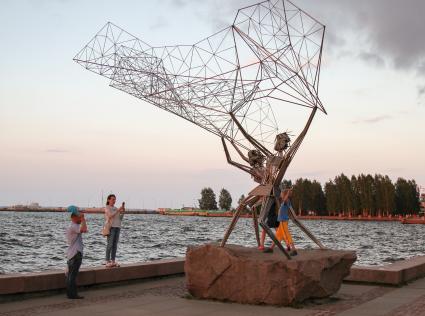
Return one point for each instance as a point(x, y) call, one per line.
point(246, 275)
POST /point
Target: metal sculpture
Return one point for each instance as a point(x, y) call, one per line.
point(225, 84)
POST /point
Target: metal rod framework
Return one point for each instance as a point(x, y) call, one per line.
point(227, 84)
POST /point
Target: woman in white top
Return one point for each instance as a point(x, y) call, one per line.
point(114, 216)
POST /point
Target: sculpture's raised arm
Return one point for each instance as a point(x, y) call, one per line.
point(254, 142)
point(289, 155)
point(233, 163)
point(239, 152)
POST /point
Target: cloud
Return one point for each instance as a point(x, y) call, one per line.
point(421, 69)
point(372, 58)
point(391, 29)
point(421, 95)
point(373, 120)
point(56, 151)
point(381, 33)
point(421, 91)
point(218, 13)
point(179, 3)
point(375, 31)
point(160, 22)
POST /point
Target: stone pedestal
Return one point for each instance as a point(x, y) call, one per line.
point(246, 275)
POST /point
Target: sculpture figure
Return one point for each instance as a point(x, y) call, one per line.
point(225, 84)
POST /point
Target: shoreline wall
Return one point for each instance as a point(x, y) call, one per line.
point(22, 283)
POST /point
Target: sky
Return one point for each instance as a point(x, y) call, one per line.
point(66, 137)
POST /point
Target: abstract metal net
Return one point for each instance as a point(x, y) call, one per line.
point(226, 82)
point(271, 51)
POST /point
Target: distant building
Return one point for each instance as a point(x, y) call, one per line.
point(190, 208)
point(31, 206)
point(17, 207)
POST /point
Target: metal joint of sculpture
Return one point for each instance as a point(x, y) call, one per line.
point(226, 84)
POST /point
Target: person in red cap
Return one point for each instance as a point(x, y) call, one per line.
point(75, 250)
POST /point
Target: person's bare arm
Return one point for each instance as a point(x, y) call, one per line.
point(83, 225)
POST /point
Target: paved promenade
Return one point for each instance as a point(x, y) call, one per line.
point(168, 297)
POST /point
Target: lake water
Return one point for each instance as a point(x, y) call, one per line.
point(36, 241)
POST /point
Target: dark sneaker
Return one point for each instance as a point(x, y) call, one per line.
point(78, 297)
point(293, 253)
point(268, 250)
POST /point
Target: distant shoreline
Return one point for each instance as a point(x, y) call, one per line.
point(414, 219)
point(63, 210)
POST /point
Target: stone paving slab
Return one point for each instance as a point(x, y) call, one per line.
point(92, 296)
point(168, 297)
point(387, 303)
point(413, 308)
point(418, 284)
point(396, 273)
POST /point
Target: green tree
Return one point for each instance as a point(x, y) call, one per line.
point(286, 184)
point(366, 194)
point(225, 200)
point(318, 199)
point(379, 194)
point(415, 197)
point(389, 196)
point(345, 194)
point(359, 195)
point(300, 195)
point(308, 196)
point(407, 197)
point(332, 200)
point(207, 200)
point(356, 196)
point(402, 195)
point(384, 195)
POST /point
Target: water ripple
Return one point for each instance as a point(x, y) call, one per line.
point(36, 241)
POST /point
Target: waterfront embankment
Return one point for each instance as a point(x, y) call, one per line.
point(394, 274)
point(167, 296)
point(142, 293)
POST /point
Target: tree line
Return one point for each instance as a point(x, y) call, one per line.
point(364, 195)
point(208, 200)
